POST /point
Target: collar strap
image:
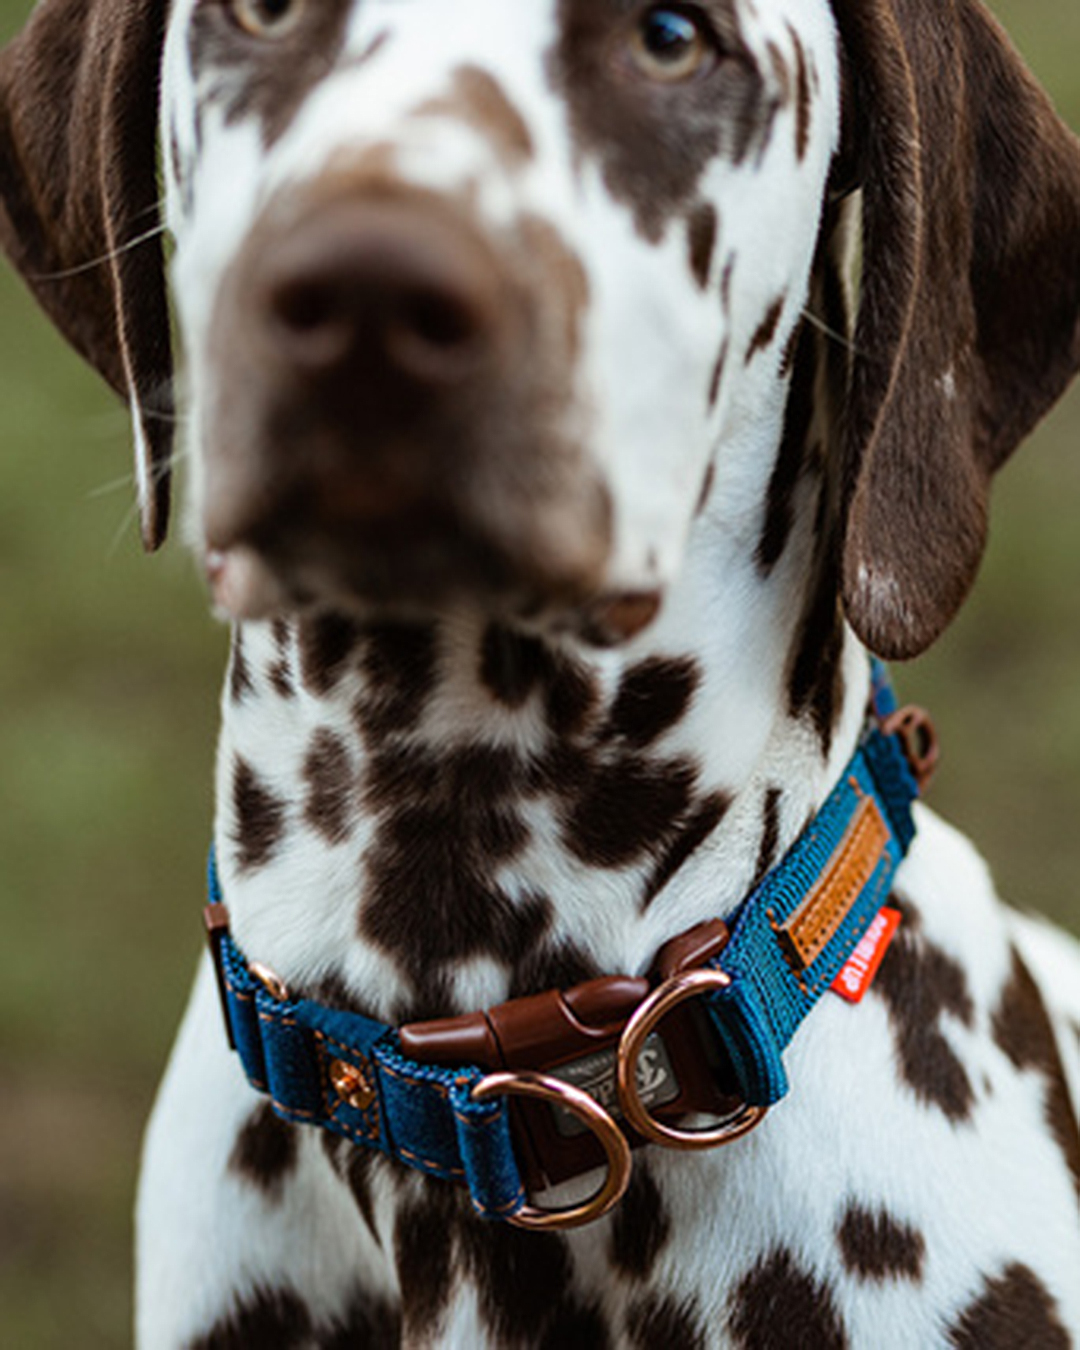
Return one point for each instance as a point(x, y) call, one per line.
point(411, 1092)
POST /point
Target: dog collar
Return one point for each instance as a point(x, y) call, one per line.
point(596, 1070)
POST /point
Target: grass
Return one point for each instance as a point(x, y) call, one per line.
point(109, 670)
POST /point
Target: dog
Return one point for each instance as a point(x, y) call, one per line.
point(578, 394)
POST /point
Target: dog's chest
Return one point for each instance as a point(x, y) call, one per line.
point(820, 1228)
point(817, 1229)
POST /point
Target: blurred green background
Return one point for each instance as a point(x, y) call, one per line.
point(109, 671)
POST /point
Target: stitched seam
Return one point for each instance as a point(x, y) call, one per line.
point(511, 1206)
point(440, 1169)
point(813, 925)
point(860, 928)
point(440, 1088)
point(332, 1103)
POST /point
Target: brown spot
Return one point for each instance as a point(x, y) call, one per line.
point(554, 965)
point(477, 99)
point(802, 97)
point(400, 662)
point(791, 454)
point(265, 1150)
point(706, 488)
point(524, 1285)
point(652, 145)
point(816, 678)
point(280, 673)
point(700, 823)
point(354, 1165)
point(770, 834)
point(327, 642)
point(653, 697)
point(273, 1319)
point(329, 777)
point(701, 233)
point(640, 1228)
point(247, 77)
point(618, 812)
point(240, 683)
point(766, 329)
point(725, 284)
point(513, 664)
point(259, 817)
point(1023, 1030)
point(919, 983)
point(561, 281)
point(280, 678)
point(718, 372)
point(876, 1246)
point(1014, 1312)
point(446, 824)
point(571, 698)
point(424, 1236)
point(368, 1320)
point(776, 1304)
point(663, 1320)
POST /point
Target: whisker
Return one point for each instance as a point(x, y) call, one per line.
point(841, 339)
point(89, 266)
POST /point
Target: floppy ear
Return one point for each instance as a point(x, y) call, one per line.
point(969, 317)
point(79, 204)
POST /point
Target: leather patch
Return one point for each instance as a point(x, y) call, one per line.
point(810, 929)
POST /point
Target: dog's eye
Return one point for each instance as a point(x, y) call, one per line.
point(266, 18)
point(671, 43)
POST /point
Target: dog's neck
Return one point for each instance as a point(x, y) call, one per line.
point(415, 818)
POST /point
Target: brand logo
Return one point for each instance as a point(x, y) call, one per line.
point(596, 1074)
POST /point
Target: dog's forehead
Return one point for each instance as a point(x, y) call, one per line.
point(361, 66)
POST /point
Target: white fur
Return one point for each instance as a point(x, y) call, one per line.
point(979, 1192)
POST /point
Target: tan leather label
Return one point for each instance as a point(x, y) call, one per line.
point(811, 927)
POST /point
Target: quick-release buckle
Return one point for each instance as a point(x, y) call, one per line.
point(602, 1040)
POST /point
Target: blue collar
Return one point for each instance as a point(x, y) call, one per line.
point(782, 949)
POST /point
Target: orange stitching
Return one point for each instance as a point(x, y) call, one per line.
point(435, 1167)
point(440, 1088)
point(509, 1207)
point(810, 929)
point(370, 1130)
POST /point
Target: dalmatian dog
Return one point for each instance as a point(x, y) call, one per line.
point(577, 393)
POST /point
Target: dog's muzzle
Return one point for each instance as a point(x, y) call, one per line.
point(391, 413)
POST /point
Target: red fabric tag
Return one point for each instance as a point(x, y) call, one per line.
point(857, 973)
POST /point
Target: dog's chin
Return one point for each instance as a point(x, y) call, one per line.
point(245, 586)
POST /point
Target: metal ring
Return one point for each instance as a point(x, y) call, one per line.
point(687, 984)
point(270, 980)
point(528, 1084)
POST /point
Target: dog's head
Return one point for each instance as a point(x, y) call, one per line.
point(477, 299)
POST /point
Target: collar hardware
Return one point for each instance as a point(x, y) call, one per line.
point(543, 1088)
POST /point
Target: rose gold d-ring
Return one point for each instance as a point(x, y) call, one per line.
point(524, 1083)
point(686, 984)
point(270, 980)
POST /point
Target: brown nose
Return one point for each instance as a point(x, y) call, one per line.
point(380, 293)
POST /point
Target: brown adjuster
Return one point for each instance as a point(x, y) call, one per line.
point(603, 1037)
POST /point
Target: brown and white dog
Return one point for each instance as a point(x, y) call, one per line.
point(557, 502)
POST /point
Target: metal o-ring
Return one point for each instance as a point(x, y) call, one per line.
point(687, 984)
point(525, 1083)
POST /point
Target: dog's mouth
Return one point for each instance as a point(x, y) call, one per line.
point(245, 586)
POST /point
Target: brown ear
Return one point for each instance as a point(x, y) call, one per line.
point(969, 317)
point(79, 204)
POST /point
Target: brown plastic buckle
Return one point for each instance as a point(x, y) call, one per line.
point(573, 1035)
